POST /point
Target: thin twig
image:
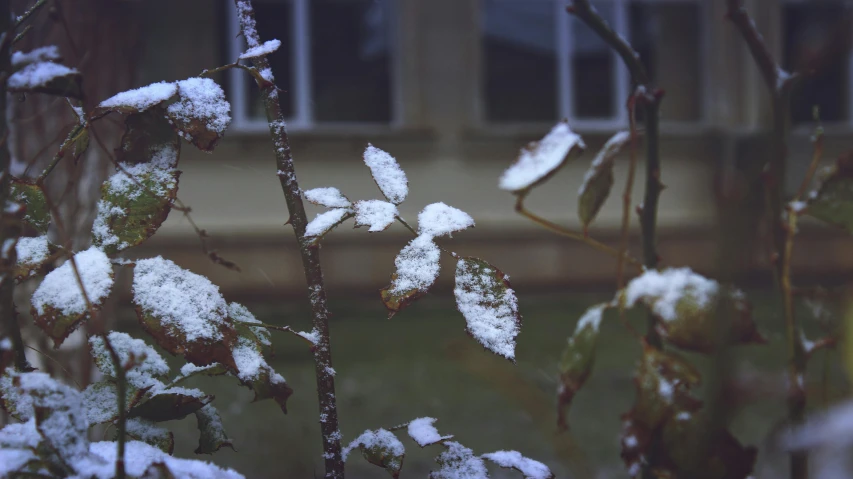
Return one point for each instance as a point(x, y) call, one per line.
point(414, 232)
point(626, 201)
point(26, 15)
point(287, 329)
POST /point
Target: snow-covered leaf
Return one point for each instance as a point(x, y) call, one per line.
point(685, 305)
point(147, 136)
point(438, 219)
point(19, 443)
point(148, 459)
point(459, 462)
point(422, 431)
point(329, 196)
point(47, 77)
point(833, 200)
point(382, 448)
point(212, 435)
point(169, 404)
point(254, 372)
point(578, 359)
point(100, 401)
point(16, 405)
point(598, 180)
point(326, 221)
point(150, 433)
point(265, 48)
point(488, 303)
point(138, 99)
point(58, 304)
point(37, 215)
point(376, 214)
point(47, 53)
point(135, 201)
point(189, 370)
point(33, 254)
point(260, 335)
point(201, 115)
point(417, 269)
point(539, 160)
point(389, 177)
point(184, 312)
point(514, 460)
point(146, 367)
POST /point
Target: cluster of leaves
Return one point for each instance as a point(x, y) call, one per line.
point(483, 293)
point(382, 448)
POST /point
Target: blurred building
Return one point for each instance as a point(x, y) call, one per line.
point(453, 89)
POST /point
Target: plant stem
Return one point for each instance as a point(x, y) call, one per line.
point(626, 201)
point(334, 464)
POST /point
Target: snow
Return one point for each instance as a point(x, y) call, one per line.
point(513, 459)
point(139, 456)
point(48, 53)
point(376, 214)
point(417, 265)
point(64, 426)
point(160, 171)
point(492, 320)
point(238, 312)
point(179, 298)
point(202, 99)
point(143, 98)
point(422, 431)
point(249, 361)
point(662, 290)
point(100, 402)
point(32, 251)
point(389, 177)
point(438, 219)
point(330, 197)
point(798, 206)
point(313, 336)
point(61, 291)
point(605, 157)
point(37, 75)
point(11, 460)
point(147, 363)
point(324, 222)
point(592, 317)
point(268, 47)
point(20, 435)
point(459, 462)
point(381, 438)
point(540, 159)
point(144, 429)
point(190, 368)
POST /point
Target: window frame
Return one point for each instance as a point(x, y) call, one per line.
point(301, 76)
point(564, 29)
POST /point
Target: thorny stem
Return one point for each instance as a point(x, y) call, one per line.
point(334, 464)
point(626, 201)
point(779, 83)
point(555, 228)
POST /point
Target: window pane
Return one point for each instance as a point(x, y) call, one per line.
point(592, 69)
point(519, 58)
point(808, 28)
point(350, 58)
point(668, 38)
point(274, 19)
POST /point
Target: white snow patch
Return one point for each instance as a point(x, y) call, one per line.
point(139, 456)
point(592, 317)
point(540, 159)
point(202, 99)
point(380, 438)
point(148, 364)
point(417, 265)
point(37, 75)
point(376, 214)
point(438, 219)
point(143, 98)
point(662, 290)
point(49, 53)
point(324, 222)
point(422, 431)
point(459, 462)
point(492, 319)
point(32, 251)
point(61, 291)
point(389, 177)
point(514, 460)
point(329, 196)
point(266, 48)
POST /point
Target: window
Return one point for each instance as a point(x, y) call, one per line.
point(335, 63)
point(541, 64)
point(817, 43)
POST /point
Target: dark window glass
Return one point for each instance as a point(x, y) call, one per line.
point(815, 40)
point(520, 64)
point(592, 70)
point(274, 20)
point(668, 38)
point(350, 59)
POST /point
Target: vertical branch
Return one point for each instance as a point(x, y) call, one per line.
point(779, 83)
point(334, 464)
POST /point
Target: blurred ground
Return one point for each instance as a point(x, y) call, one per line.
point(421, 363)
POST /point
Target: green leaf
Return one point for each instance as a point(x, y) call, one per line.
point(212, 435)
point(417, 269)
point(170, 404)
point(37, 214)
point(382, 448)
point(540, 160)
point(577, 360)
point(47, 77)
point(599, 178)
point(487, 301)
point(833, 201)
point(253, 371)
point(459, 462)
point(149, 433)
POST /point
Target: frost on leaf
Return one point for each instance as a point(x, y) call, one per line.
point(686, 307)
point(577, 360)
point(58, 304)
point(488, 303)
point(833, 200)
point(329, 196)
point(438, 219)
point(380, 447)
point(212, 435)
point(376, 214)
point(417, 269)
point(170, 404)
point(666, 415)
point(326, 221)
point(38, 76)
point(33, 254)
point(514, 460)
point(598, 180)
point(539, 160)
point(146, 431)
point(459, 462)
point(422, 431)
point(201, 115)
point(146, 368)
point(266, 48)
point(389, 177)
point(37, 215)
point(184, 312)
point(135, 201)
